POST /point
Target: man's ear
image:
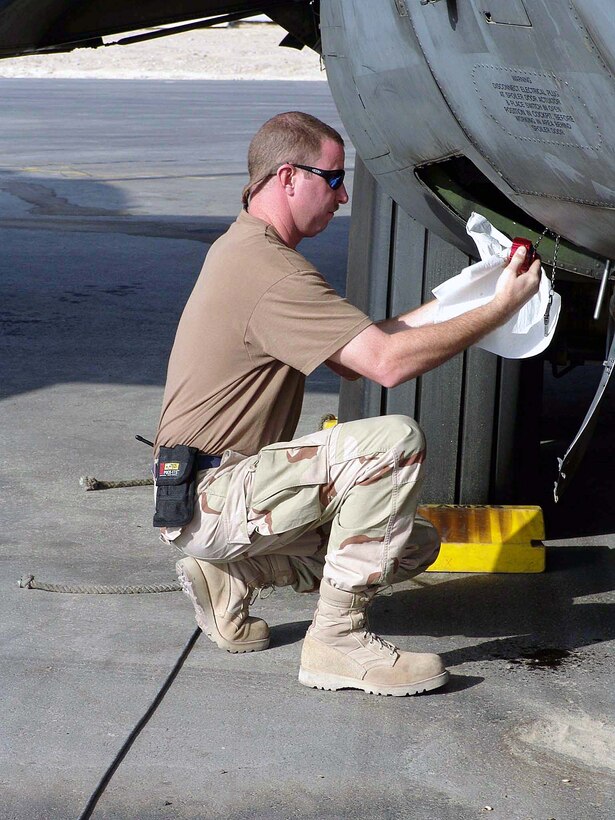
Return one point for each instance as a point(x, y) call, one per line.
point(285, 174)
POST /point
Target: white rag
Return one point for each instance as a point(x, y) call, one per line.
point(524, 334)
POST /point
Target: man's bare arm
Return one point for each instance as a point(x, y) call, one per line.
point(396, 350)
point(344, 372)
point(417, 317)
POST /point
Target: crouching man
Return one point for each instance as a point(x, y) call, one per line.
point(334, 511)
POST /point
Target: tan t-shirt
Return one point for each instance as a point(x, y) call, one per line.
point(260, 319)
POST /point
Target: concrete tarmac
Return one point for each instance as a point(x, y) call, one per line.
point(110, 194)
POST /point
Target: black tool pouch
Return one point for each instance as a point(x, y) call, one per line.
point(175, 470)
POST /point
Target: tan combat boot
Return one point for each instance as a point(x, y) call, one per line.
point(221, 596)
point(339, 652)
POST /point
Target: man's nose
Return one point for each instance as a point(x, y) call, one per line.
point(342, 194)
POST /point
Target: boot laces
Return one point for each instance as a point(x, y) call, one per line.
point(368, 596)
point(379, 642)
point(262, 592)
point(375, 640)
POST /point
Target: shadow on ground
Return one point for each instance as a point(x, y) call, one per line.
point(92, 294)
point(516, 615)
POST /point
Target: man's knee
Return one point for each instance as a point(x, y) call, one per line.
point(380, 434)
point(404, 430)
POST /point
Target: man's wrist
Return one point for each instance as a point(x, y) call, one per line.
point(500, 310)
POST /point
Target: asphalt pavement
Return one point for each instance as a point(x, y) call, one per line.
point(110, 194)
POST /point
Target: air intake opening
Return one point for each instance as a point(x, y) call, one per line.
point(463, 188)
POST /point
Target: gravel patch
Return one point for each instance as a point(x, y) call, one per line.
point(248, 51)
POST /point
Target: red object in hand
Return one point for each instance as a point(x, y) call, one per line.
point(530, 252)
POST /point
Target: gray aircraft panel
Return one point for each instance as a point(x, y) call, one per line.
point(518, 96)
point(522, 93)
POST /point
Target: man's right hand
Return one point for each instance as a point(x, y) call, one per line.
point(515, 288)
point(390, 354)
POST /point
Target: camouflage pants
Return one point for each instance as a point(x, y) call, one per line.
point(340, 502)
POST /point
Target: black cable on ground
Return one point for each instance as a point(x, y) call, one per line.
point(106, 778)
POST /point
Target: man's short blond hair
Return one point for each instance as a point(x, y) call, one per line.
point(289, 137)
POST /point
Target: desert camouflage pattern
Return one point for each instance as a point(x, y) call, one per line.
point(340, 502)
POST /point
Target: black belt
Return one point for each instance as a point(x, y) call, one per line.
point(205, 462)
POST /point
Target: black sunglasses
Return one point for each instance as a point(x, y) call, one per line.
point(334, 179)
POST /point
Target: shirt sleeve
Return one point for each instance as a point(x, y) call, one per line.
point(302, 321)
